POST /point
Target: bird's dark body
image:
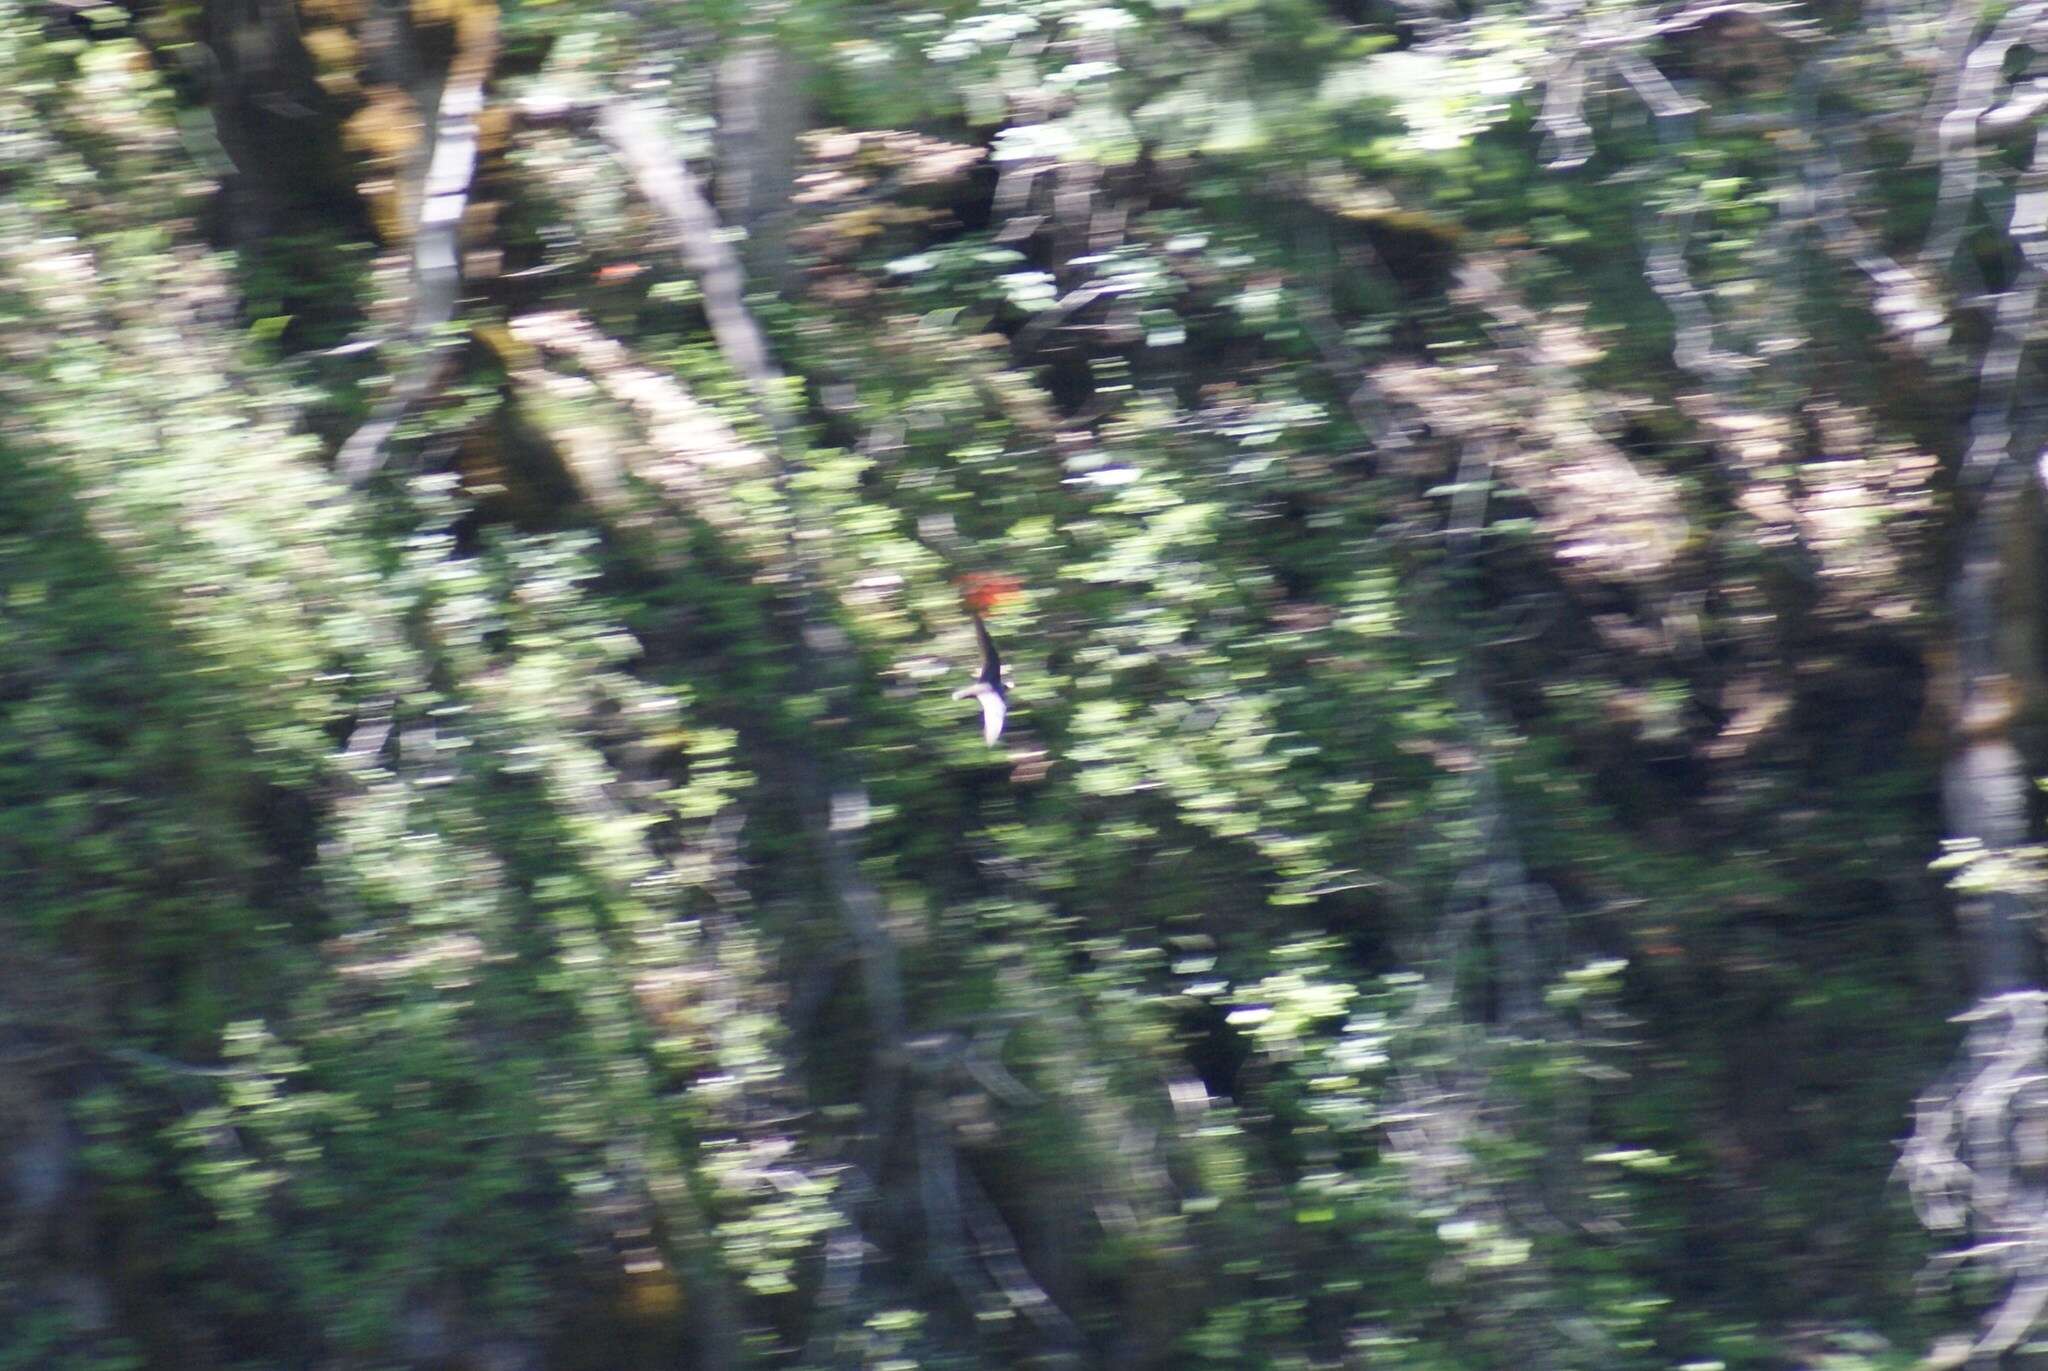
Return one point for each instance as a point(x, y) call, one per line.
point(988, 686)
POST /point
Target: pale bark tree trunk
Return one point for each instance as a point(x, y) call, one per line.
point(1985, 781)
point(760, 119)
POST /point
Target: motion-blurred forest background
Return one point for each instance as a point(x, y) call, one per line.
point(1515, 537)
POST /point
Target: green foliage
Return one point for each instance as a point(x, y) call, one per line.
point(1392, 933)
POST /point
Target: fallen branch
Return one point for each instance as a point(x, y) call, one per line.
point(1972, 1162)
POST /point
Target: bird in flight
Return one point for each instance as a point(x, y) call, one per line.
point(982, 592)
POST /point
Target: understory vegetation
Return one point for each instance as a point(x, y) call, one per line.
point(1512, 533)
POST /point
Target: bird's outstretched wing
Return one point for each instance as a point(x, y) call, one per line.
point(988, 687)
point(994, 710)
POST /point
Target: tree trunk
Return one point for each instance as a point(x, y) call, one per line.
point(760, 116)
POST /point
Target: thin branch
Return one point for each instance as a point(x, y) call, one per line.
point(436, 243)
